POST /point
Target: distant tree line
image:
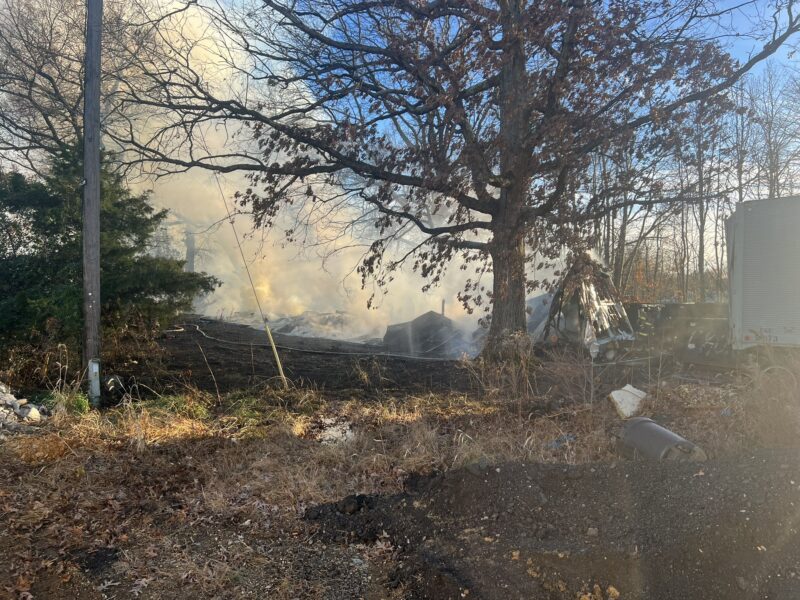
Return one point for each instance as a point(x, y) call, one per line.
point(746, 148)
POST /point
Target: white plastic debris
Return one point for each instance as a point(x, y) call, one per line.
point(334, 431)
point(29, 413)
point(627, 401)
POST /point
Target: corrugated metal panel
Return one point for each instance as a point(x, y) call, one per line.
point(769, 272)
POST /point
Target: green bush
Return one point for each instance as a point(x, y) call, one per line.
point(76, 403)
point(41, 257)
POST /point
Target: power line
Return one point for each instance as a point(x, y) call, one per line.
point(252, 285)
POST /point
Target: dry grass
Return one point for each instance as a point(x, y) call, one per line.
point(508, 371)
point(558, 377)
point(266, 449)
point(124, 477)
point(772, 406)
point(182, 464)
point(284, 465)
point(272, 452)
point(35, 365)
point(46, 362)
point(755, 408)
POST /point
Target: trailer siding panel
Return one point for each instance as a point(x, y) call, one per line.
point(764, 246)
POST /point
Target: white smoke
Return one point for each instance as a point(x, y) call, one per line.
point(288, 279)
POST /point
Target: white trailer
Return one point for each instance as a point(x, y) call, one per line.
point(764, 273)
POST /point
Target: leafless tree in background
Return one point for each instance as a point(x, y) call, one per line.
point(776, 138)
point(41, 75)
point(749, 152)
point(740, 136)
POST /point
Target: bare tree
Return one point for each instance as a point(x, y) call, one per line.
point(41, 74)
point(740, 138)
point(484, 114)
point(621, 234)
point(704, 140)
point(777, 133)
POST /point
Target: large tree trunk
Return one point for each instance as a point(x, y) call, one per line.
point(508, 290)
point(507, 247)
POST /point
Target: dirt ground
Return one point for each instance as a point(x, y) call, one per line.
point(723, 529)
point(401, 480)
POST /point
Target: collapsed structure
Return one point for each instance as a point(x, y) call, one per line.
point(431, 334)
point(586, 310)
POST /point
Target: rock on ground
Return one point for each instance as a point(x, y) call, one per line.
point(14, 412)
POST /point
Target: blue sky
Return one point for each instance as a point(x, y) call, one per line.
point(747, 17)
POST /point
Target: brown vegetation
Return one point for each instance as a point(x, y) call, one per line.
point(142, 497)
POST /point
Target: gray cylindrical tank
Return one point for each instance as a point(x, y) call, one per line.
point(650, 440)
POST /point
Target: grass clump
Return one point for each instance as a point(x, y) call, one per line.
point(269, 406)
point(195, 405)
point(71, 401)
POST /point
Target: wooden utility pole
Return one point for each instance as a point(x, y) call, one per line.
point(91, 198)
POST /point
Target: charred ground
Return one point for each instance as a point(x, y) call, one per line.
point(725, 529)
point(199, 350)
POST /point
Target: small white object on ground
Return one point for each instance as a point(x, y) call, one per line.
point(334, 432)
point(627, 401)
point(17, 415)
point(29, 413)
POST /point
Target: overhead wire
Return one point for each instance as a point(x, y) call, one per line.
point(252, 284)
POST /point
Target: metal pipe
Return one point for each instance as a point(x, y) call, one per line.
point(650, 440)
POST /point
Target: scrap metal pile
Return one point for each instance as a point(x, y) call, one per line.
point(586, 310)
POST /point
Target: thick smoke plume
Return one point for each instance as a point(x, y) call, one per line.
point(289, 279)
